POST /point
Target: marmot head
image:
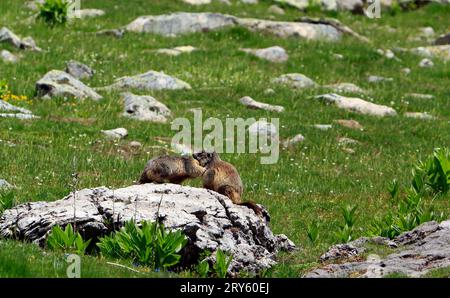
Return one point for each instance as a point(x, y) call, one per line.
point(204, 158)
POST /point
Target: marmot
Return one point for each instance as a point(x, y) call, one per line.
point(172, 169)
point(222, 177)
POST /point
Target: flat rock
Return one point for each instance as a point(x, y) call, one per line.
point(176, 51)
point(293, 141)
point(151, 80)
point(419, 115)
point(357, 105)
point(145, 108)
point(6, 106)
point(426, 63)
point(117, 133)
point(209, 220)
point(79, 70)
point(89, 13)
point(420, 96)
point(295, 80)
point(323, 126)
point(347, 141)
point(180, 23)
point(4, 184)
point(352, 124)
point(379, 79)
point(197, 2)
point(27, 43)
point(59, 83)
point(441, 51)
point(413, 254)
point(20, 116)
point(273, 54)
point(345, 88)
point(253, 104)
point(276, 10)
point(8, 57)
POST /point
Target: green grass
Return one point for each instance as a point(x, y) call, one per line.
point(309, 183)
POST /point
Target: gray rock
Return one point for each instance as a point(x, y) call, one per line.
point(441, 52)
point(379, 79)
point(180, 23)
point(6, 106)
point(89, 13)
point(79, 70)
point(20, 116)
point(197, 2)
point(176, 51)
point(295, 80)
point(274, 54)
point(276, 10)
point(151, 80)
point(300, 4)
point(406, 70)
point(357, 105)
point(209, 220)
point(347, 141)
point(323, 126)
point(425, 248)
point(118, 33)
point(8, 57)
point(420, 96)
point(4, 184)
point(350, 5)
point(352, 124)
point(419, 115)
point(426, 63)
point(135, 144)
point(345, 88)
point(442, 40)
point(117, 133)
point(59, 83)
point(145, 108)
point(293, 141)
point(253, 104)
point(27, 43)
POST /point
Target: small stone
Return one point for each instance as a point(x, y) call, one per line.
point(20, 116)
point(273, 54)
point(269, 91)
point(426, 63)
point(253, 104)
point(323, 126)
point(89, 13)
point(406, 70)
point(293, 141)
point(352, 124)
point(176, 51)
point(4, 184)
point(338, 56)
point(379, 79)
point(8, 57)
point(420, 96)
point(135, 144)
point(419, 115)
point(276, 10)
point(117, 133)
point(427, 32)
point(347, 141)
point(145, 108)
point(345, 88)
point(295, 80)
point(79, 70)
point(8, 36)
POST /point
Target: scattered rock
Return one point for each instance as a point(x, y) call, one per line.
point(209, 220)
point(20, 116)
point(180, 23)
point(406, 71)
point(135, 144)
point(273, 54)
point(253, 104)
point(427, 32)
point(425, 248)
point(323, 126)
point(8, 57)
point(27, 43)
point(79, 70)
point(379, 79)
point(357, 105)
point(442, 40)
point(338, 56)
point(250, 1)
point(276, 10)
point(176, 51)
point(441, 51)
point(89, 13)
point(4, 184)
point(347, 141)
point(197, 2)
point(300, 4)
point(118, 33)
point(117, 133)
point(6, 106)
point(352, 124)
point(426, 63)
point(151, 80)
point(264, 129)
point(145, 108)
point(419, 115)
point(293, 141)
point(269, 91)
point(420, 96)
point(345, 88)
point(295, 80)
point(59, 83)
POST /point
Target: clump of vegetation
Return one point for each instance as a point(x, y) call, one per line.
point(7, 95)
point(67, 240)
point(149, 245)
point(223, 261)
point(54, 12)
point(431, 179)
point(345, 232)
point(312, 231)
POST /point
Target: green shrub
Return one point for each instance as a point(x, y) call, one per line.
point(54, 12)
point(148, 245)
point(67, 240)
point(222, 263)
point(433, 173)
point(203, 268)
point(312, 231)
point(345, 231)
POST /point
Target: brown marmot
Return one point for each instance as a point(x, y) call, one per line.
point(222, 177)
point(172, 169)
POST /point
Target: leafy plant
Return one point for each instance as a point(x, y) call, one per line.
point(312, 231)
point(54, 12)
point(345, 231)
point(148, 245)
point(222, 263)
point(394, 189)
point(434, 172)
point(67, 240)
point(203, 268)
